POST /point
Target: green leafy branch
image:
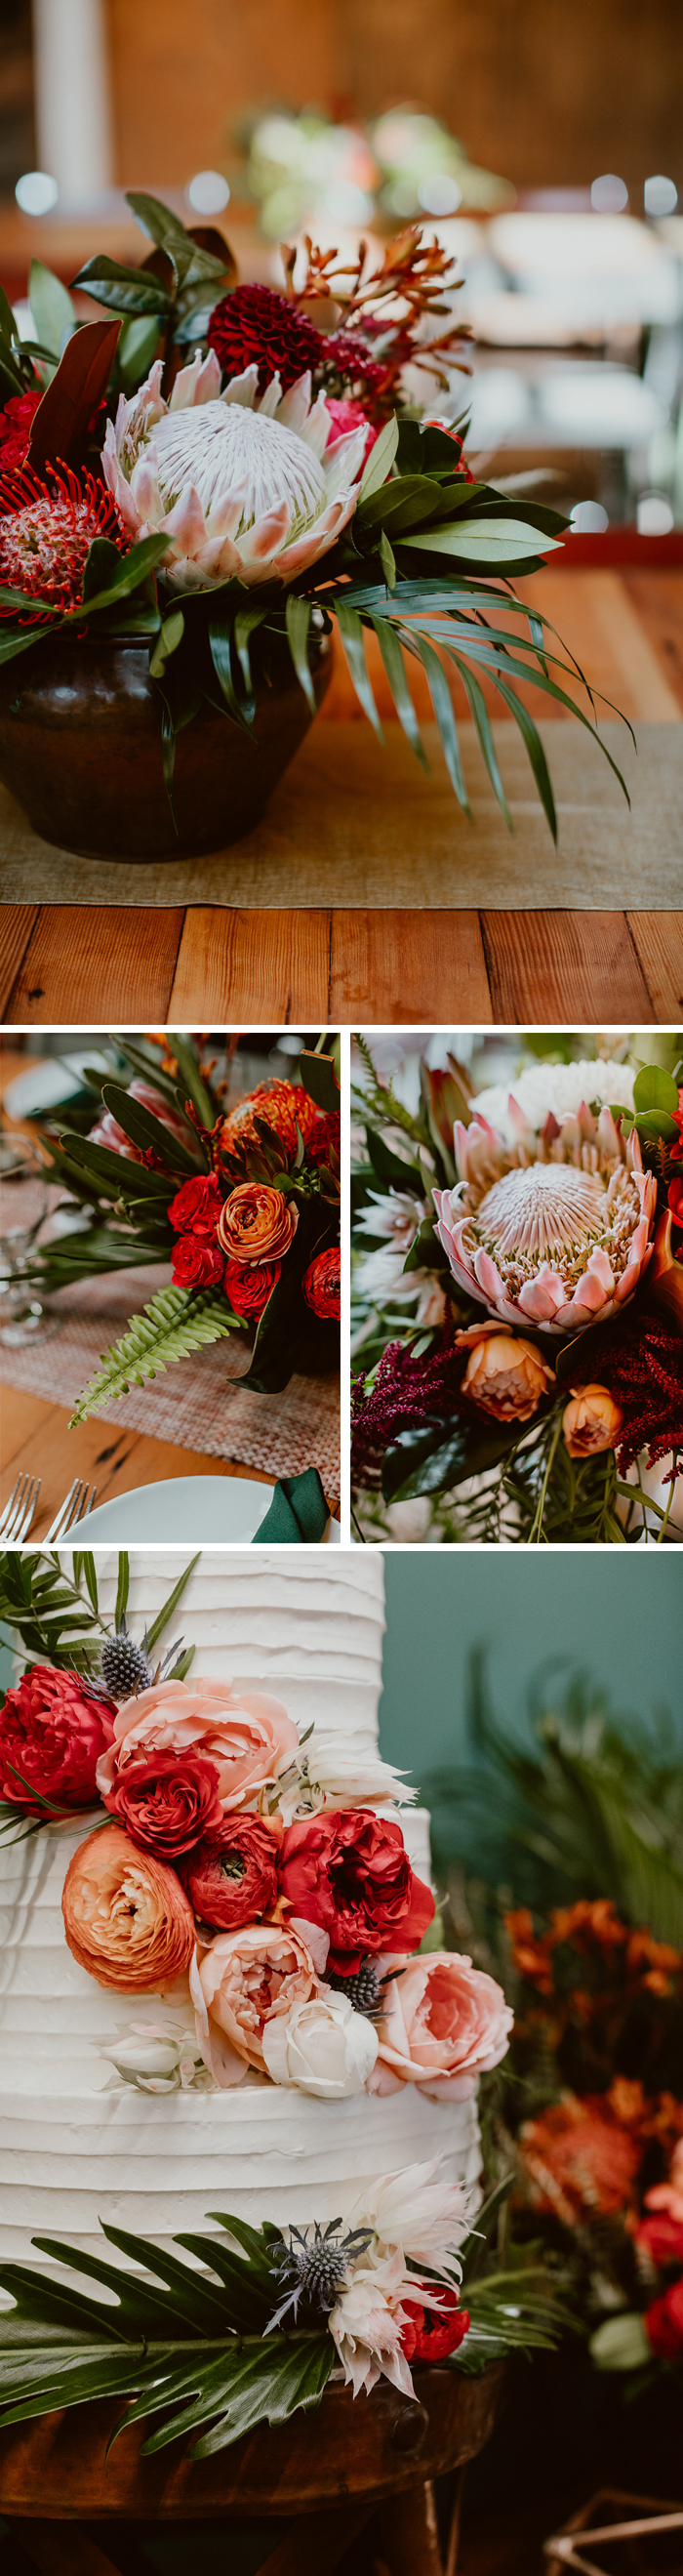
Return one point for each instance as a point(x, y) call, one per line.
point(177, 1322)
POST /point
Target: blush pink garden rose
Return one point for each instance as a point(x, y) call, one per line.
point(444, 2023)
point(238, 1985)
point(245, 1734)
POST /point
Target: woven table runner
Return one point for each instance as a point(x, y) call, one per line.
point(354, 823)
point(199, 1403)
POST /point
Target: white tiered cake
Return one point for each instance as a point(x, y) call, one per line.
point(307, 1629)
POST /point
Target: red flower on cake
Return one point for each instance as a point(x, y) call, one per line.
point(249, 1290)
point(196, 1264)
point(16, 423)
point(196, 1207)
point(167, 1803)
point(350, 1873)
point(321, 1285)
point(46, 532)
point(127, 1919)
point(231, 1877)
point(52, 1732)
point(256, 326)
point(429, 2334)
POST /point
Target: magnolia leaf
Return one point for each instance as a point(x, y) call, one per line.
point(318, 1078)
point(484, 540)
point(145, 1130)
point(380, 461)
point(441, 1464)
point(136, 350)
point(51, 306)
point(655, 1089)
point(127, 290)
point(63, 417)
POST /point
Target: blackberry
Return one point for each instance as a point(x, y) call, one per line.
point(312, 2269)
point(363, 1991)
point(124, 1667)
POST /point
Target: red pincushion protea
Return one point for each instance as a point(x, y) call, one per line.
point(46, 532)
point(285, 1106)
point(16, 423)
point(255, 326)
point(322, 1286)
point(428, 2334)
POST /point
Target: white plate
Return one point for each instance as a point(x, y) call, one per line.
point(192, 1510)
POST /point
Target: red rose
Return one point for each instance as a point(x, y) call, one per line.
point(196, 1207)
point(351, 1874)
point(661, 2236)
point(196, 1264)
point(231, 1878)
point(664, 2324)
point(165, 1804)
point(326, 1137)
point(249, 1290)
point(426, 2336)
point(52, 1733)
point(322, 1285)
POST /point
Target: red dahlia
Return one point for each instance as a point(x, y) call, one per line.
point(16, 423)
point(255, 326)
point(46, 532)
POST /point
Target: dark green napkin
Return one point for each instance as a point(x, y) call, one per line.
point(298, 1512)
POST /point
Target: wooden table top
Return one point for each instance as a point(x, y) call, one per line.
point(206, 964)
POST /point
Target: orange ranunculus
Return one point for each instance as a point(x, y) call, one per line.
point(591, 1422)
point(127, 1919)
point(257, 1223)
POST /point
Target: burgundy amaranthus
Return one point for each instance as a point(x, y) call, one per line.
point(46, 532)
point(640, 1360)
point(406, 1391)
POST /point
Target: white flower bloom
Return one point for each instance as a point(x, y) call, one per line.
point(416, 2210)
point(380, 1276)
point(328, 1775)
point(323, 2047)
point(366, 2325)
point(157, 2057)
point(398, 1217)
point(560, 1088)
point(243, 487)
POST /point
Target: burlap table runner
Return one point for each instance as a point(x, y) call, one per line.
point(352, 823)
point(199, 1404)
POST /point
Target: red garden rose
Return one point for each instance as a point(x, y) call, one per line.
point(196, 1264)
point(52, 1733)
point(322, 1285)
point(196, 1207)
point(231, 1877)
point(350, 1873)
point(428, 2335)
point(166, 1804)
point(664, 2323)
point(249, 1290)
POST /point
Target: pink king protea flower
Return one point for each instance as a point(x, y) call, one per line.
point(554, 1229)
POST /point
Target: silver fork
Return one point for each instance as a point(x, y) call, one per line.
point(15, 1520)
point(79, 1500)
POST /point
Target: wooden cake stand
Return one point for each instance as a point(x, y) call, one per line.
point(331, 2471)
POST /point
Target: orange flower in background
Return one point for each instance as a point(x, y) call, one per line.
point(127, 1919)
point(579, 2160)
point(257, 1223)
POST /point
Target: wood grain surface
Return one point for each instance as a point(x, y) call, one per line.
point(209, 965)
point(36, 1441)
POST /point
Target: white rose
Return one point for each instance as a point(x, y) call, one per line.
point(154, 2059)
point(323, 2046)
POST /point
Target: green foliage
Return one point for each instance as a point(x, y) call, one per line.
point(57, 1620)
point(178, 1321)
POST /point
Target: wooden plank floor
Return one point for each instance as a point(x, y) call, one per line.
point(209, 966)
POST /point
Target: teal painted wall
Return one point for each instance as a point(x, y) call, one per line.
point(619, 1616)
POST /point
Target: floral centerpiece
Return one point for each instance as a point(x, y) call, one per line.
point(244, 1202)
point(194, 490)
point(520, 1299)
point(244, 1879)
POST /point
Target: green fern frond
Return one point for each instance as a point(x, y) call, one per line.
point(177, 1322)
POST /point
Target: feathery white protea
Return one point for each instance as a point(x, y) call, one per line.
point(553, 1230)
point(243, 487)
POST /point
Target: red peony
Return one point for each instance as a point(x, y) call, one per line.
point(326, 1137)
point(428, 2336)
point(196, 1207)
point(663, 2323)
point(249, 1290)
point(165, 1804)
point(322, 1285)
point(661, 2236)
point(52, 1733)
point(46, 532)
point(351, 1874)
point(16, 423)
point(256, 326)
point(196, 1264)
point(231, 1877)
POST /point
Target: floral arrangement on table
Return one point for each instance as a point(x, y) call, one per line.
point(529, 1249)
point(232, 1866)
point(243, 1201)
point(220, 471)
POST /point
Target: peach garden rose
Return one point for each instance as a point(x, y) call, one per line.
point(244, 1733)
point(591, 1422)
point(127, 1919)
point(257, 1223)
point(505, 1375)
point(238, 1985)
point(443, 2024)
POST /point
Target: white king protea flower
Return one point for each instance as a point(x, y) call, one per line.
point(245, 488)
point(554, 1229)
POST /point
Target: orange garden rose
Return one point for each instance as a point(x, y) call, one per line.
point(505, 1375)
point(237, 1986)
point(591, 1422)
point(257, 1224)
point(127, 1919)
